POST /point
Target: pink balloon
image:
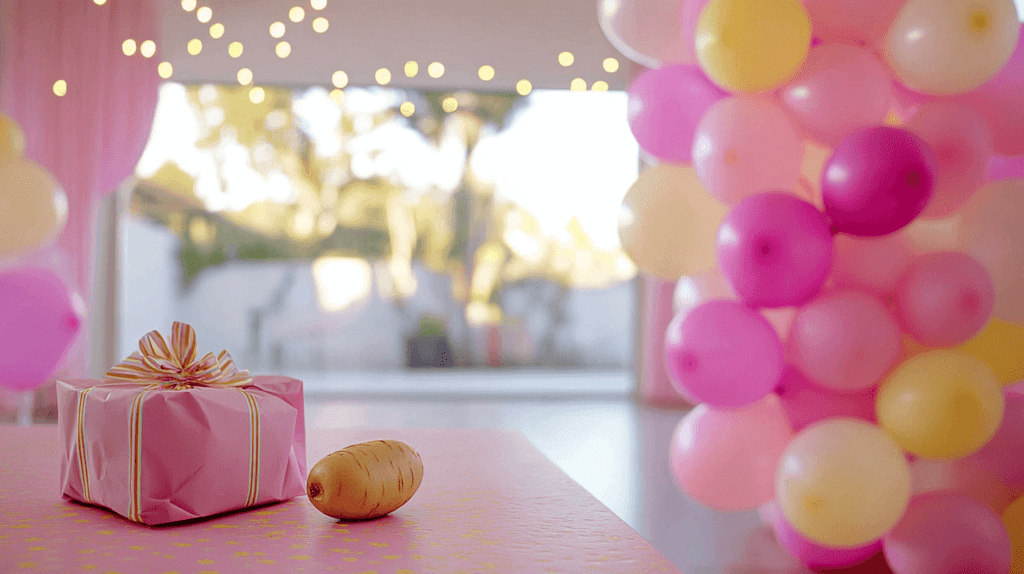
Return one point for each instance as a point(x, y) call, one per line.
point(38, 323)
point(806, 403)
point(948, 533)
point(878, 180)
point(908, 101)
point(845, 341)
point(746, 145)
point(839, 90)
point(1002, 454)
point(723, 354)
point(817, 556)
point(648, 31)
point(693, 290)
point(944, 299)
point(775, 250)
point(664, 107)
point(1002, 167)
point(857, 22)
point(871, 264)
point(1000, 101)
point(963, 476)
point(961, 141)
point(726, 459)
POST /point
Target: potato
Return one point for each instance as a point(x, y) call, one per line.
point(365, 480)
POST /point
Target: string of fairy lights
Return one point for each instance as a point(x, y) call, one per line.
point(339, 79)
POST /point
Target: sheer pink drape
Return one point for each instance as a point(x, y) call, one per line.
point(92, 137)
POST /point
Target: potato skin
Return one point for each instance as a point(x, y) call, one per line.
point(365, 480)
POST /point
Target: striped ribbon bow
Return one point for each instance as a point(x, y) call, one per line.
point(175, 365)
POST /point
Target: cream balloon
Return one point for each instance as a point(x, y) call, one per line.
point(943, 47)
point(668, 222)
point(12, 139)
point(33, 207)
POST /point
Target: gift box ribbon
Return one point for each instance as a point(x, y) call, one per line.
point(159, 366)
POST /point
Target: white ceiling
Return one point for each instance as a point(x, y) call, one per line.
point(519, 38)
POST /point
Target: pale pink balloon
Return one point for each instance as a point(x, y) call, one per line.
point(693, 290)
point(963, 476)
point(845, 340)
point(857, 22)
point(871, 264)
point(839, 90)
point(1002, 454)
point(944, 299)
point(744, 146)
point(1002, 167)
point(806, 403)
point(962, 143)
point(726, 459)
point(1000, 101)
point(649, 32)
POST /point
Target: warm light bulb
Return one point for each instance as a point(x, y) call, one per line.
point(99, 2)
point(195, 45)
point(235, 49)
point(339, 79)
point(435, 69)
point(578, 85)
point(216, 31)
point(407, 109)
point(611, 65)
point(486, 73)
point(320, 25)
point(245, 76)
point(318, 4)
point(277, 29)
point(60, 88)
point(128, 47)
point(449, 104)
point(148, 49)
point(188, 5)
point(383, 76)
point(524, 87)
point(411, 69)
point(283, 49)
point(257, 95)
point(204, 14)
point(165, 69)
point(337, 96)
point(296, 14)
point(600, 86)
point(566, 59)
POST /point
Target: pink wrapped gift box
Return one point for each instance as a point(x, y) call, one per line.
point(166, 437)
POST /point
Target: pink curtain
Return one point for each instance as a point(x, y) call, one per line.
point(91, 138)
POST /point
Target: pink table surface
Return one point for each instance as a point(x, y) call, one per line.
point(489, 502)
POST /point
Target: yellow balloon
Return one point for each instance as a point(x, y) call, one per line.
point(752, 45)
point(33, 207)
point(843, 482)
point(668, 222)
point(941, 404)
point(12, 139)
point(943, 47)
point(1013, 519)
point(1000, 345)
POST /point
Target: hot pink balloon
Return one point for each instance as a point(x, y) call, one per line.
point(845, 341)
point(723, 354)
point(1002, 454)
point(1000, 101)
point(39, 321)
point(878, 180)
point(839, 90)
point(726, 459)
point(746, 145)
point(857, 22)
point(961, 141)
point(948, 533)
point(871, 264)
point(664, 107)
point(944, 299)
point(817, 556)
point(1002, 167)
point(775, 250)
point(806, 403)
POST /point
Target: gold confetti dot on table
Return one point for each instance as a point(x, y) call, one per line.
point(318, 4)
point(204, 561)
point(216, 31)
point(407, 109)
point(578, 85)
point(600, 86)
point(449, 105)
point(320, 25)
point(296, 14)
point(188, 5)
point(566, 59)
point(182, 544)
point(411, 69)
point(165, 69)
point(256, 96)
point(337, 96)
point(524, 87)
point(235, 49)
point(277, 29)
point(435, 70)
point(339, 79)
point(266, 562)
point(128, 47)
point(148, 49)
point(486, 73)
point(195, 46)
point(611, 65)
point(300, 557)
point(383, 76)
point(283, 49)
point(204, 14)
point(244, 76)
point(60, 88)
point(36, 548)
point(241, 553)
